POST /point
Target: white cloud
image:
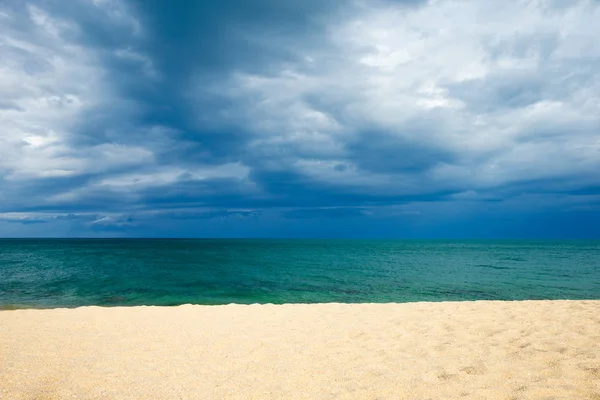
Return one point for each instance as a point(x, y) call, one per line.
point(510, 90)
point(50, 85)
point(133, 185)
point(48, 82)
point(169, 175)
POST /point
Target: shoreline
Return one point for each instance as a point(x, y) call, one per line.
point(480, 349)
point(105, 306)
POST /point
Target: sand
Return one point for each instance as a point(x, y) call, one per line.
point(462, 350)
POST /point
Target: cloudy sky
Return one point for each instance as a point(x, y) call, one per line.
point(314, 118)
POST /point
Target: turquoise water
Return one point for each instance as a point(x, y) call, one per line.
point(111, 272)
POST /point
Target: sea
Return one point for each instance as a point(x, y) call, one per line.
point(53, 273)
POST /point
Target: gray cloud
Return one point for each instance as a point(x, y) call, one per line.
point(342, 110)
point(72, 138)
point(457, 96)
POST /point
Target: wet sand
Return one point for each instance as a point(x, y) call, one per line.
point(462, 350)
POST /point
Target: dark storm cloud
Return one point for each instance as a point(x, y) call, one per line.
point(136, 117)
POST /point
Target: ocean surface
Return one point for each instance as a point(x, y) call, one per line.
point(44, 273)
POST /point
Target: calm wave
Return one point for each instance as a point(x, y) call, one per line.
point(70, 273)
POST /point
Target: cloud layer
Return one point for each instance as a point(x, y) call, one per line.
point(134, 118)
point(458, 96)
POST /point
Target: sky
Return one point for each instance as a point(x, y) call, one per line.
point(314, 118)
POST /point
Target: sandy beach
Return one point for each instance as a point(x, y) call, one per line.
point(462, 350)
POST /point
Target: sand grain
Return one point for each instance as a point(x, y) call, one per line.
point(467, 350)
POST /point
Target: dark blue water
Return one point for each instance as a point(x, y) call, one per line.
point(70, 273)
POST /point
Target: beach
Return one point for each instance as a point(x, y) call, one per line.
point(438, 350)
